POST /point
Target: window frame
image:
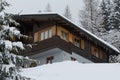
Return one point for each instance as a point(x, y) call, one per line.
point(77, 42)
point(64, 35)
point(95, 51)
point(46, 34)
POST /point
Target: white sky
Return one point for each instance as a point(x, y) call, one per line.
point(33, 6)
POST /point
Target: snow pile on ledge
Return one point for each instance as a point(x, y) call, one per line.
point(70, 70)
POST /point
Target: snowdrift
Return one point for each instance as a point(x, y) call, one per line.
point(73, 70)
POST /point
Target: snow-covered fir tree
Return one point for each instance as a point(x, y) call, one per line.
point(9, 62)
point(101, 23)
point(109, 23)
point(89, 15)
point(115, 15)
point(67, 13)
point(105, 13)
point(114, 59)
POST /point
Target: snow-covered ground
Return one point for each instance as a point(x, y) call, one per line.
point(70, 70)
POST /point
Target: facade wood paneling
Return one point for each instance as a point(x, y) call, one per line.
point(53, 30)
point(70, 38)
point(92, 49)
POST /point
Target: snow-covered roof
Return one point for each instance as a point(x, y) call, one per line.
point(72, 70)
point(83, 29)
point(111, 46)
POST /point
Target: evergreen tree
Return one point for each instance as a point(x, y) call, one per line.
point(115, 15)
point(105, 13)
point(9, 62)
point(67, 13)
point(89, 16)
point(114, 59)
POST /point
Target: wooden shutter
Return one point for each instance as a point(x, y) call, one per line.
point(92, 50)
point(82, 44)
point(101, 54)
point(36, 37)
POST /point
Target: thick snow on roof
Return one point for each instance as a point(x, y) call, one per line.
point(109, 45)
point(71, 70)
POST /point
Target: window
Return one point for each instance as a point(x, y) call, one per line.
point(46, 34)
point(96, 52)
point(49, 59)
point(42, 36)
point(64, 35)
point(76, 42)
point(73, 59)
point(50, 33)
point(79, 43)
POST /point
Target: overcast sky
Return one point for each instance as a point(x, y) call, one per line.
point(33, 6)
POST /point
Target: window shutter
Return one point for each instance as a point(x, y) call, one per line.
point(82, 44)
point(36, 37)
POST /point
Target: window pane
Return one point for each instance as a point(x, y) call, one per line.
point(64, 35)
point(42, 36)
point(50, 33)
point(77, 42)
point(96, 54)
point(46, 34)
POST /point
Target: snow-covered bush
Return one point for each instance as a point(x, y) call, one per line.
point(114, 59)
point(9, 62)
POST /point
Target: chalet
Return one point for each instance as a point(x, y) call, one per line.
point(57, 39)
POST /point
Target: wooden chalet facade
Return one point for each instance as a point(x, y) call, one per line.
point(56, 39)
